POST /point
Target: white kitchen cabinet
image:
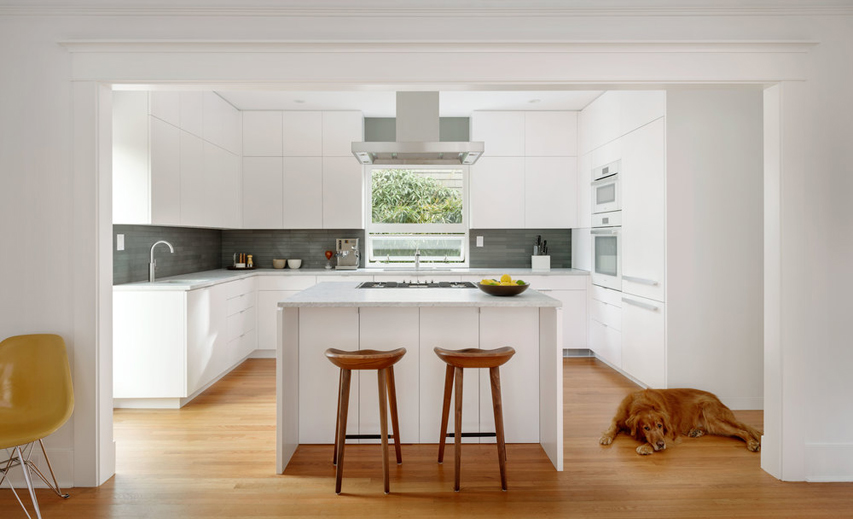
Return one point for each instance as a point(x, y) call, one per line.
point(241, 319)
point(605, 324)
point(550, 192)
point(272, 290)
point(222, 124)
point(131, 172)
point(455, 329)
point(606, 343)
point(616, 113)
point(303, 193)
point(192, 113)
point(165, 157)
point(639, 107)
point(194, 197)
point(343, 193)
point(571, 291)
point(262, 134)
point(318, 390)
point(550, 134)
point(303, 134)
point(644, 340)
point(223, 187)
point(497, 193)
point(388, 329)
point(502, 133)
point(263, 193)
point(643, 212)
point(207, 342)
point(340, 130)
point(166, 106)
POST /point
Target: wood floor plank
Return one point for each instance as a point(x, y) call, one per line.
point(216, 458)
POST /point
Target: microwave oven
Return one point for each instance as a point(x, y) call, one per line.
point(607, 250)
point(606, 188)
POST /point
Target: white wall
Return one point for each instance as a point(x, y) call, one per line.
point(715, 229)
point(38, 226)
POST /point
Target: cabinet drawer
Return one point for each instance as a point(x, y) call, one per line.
point(556, 282)
point(240, 323)
point(611, 297)
point(240, 347)
point(606, 342)
point(239, 287)
point(239, 303)
point(606, 314)
point(286, 282)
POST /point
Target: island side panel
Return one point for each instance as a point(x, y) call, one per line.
point(454, 329)
point(519, 328)
point(388, 328)
point(287, 386)
point(551, 384)
point(321, 328)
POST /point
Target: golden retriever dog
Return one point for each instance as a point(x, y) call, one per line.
point(659, 416)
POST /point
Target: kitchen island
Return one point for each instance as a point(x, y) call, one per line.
point(342, 316)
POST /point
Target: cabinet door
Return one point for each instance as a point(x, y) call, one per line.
point(454, 329)
point(501, 132)
point(644, 340)
point(643, 212)
point(519, 328)
point(192, 113)
point(194, 196)
point(303, 193)
point(388, 329)
point(497, 193)
point(165, 173)
point(340, 130)
point(318, 393)
point(303, 134)
point(599, 122)
point(131, 171)
point(207, 344)
point(343, 195)
point(550, 192)
point(574, 317)
point(267, 316)
point(637, 108)
point(584, 191)
point(262, 134)
point(222, 123)
point(262, 192)
point(606, 343)
point(222, 169)
point(166, 106)
point(551, 134)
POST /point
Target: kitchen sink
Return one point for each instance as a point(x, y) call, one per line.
point(183, 281)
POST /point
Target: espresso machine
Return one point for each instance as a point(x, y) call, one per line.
point(347, 253)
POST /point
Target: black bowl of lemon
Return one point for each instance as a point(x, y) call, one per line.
point(505, 287)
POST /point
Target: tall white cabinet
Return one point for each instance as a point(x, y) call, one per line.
point(527, 177)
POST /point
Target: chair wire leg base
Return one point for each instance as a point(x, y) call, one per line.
point(12, 462)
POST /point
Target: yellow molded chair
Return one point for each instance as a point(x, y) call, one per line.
point(36, 398)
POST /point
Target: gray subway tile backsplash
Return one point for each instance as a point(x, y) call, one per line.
point(512, 248)
point(195, 250)
point(309, 245)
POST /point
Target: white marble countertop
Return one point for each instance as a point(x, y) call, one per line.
point(214, 277)
point(344, 294)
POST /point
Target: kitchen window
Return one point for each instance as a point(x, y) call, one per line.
point(416, 209)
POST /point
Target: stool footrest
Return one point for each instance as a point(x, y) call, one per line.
point(472, 435)
point(368, 436)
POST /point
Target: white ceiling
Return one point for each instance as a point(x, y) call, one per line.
point(383, 104)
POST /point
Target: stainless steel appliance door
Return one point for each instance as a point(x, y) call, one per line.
point(606, 257)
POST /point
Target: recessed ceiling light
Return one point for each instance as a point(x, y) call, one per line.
point(533, 101)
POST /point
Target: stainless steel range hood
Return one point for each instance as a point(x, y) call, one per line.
point(417, 137)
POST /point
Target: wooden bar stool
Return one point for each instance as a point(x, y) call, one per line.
point(383, 362)
point(456, 361)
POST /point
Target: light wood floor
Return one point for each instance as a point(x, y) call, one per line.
point(215, 458)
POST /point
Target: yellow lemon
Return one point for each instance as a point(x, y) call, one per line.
point(506, 283)
point(506, 278)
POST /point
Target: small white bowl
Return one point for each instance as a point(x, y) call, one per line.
point(278, 263)
point(294, 263)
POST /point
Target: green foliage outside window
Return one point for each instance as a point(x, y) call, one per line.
point(402, 196)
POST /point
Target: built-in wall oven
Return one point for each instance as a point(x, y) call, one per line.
point(606, 191)
point(607, 250)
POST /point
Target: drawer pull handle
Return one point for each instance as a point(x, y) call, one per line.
point(604, 231)
point(640, 304)
point(642, 281)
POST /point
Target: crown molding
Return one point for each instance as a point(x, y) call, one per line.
point(478, 9)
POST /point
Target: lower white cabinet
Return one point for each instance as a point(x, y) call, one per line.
point(571, 291)
point(271, 290)
point(605, 324)
point(644, 340)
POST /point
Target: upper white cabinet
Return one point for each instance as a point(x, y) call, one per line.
point(497, 193)
point(262, 134)
point(165, 157)
point(343, 199)
point(502, 133)
point(194, 202)
point(262, 192)
point(222, 123)
point(550, 192)
point(192, 113)
point(223, 187)
point(166, 106)
point(616, 113)
point(303, 134)
point(550, 134)
point(340, 130)
point(303, 193)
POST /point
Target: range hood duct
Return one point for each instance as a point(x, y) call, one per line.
point(417, 137)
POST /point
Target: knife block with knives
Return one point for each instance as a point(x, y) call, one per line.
point(540, 259)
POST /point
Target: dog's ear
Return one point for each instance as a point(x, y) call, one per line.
point(667, 424)
point(631, 424)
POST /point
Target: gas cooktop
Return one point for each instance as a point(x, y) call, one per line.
point(416, 284)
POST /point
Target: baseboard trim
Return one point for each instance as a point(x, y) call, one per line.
point(577, 353)
point(62, 461)
point(829, 462)
point(262, 354)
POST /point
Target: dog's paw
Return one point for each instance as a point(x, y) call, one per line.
point(605, 440)
point(645, 449)
point(753, 446)
point(695, 433)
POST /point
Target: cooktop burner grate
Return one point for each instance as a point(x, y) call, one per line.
point(416, 284)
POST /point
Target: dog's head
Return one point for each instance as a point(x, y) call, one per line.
point(651, 425)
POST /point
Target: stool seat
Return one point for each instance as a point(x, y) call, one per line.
point(475, 357)
point(364, 359)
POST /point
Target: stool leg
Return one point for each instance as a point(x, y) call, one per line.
point(445, 411)
point(383, 426)
point(457, 440)
point(338, 417)
point(499, 422)
point(395, 424)
point(342, 426)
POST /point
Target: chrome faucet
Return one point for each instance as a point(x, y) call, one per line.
point(152, 264)
point(417, 259)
